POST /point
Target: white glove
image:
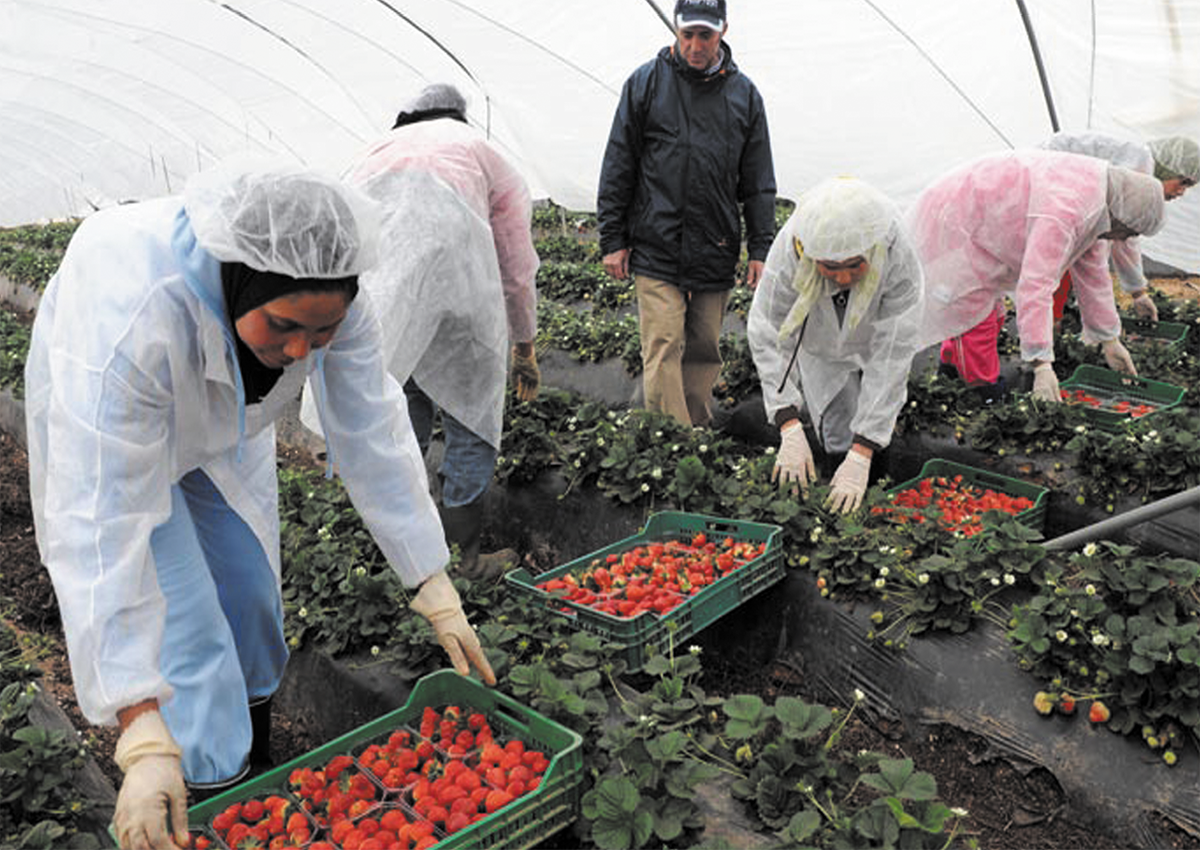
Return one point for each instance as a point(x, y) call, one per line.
point(437, 601)
point(794, 462)
point(1117, 357)
point(152, 805)
point(849, 483)
point(1144, 307)
point(1045, 383)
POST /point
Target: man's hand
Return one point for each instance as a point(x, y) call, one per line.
point(754, 273)
point(152, 804)
point(437, 601)
point(617, 264)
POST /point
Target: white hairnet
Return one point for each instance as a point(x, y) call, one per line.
point(843, 217)
point(1136, 200)
point(282, 218)
point(437, 96)
point(1175, 157)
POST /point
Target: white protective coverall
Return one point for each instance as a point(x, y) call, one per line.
point(133, 385)
point(1011, 224)
point(852, 374)
point(456, 280)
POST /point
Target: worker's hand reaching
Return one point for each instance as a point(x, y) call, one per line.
point(794, 463)
point(526, 377)
point(151, 807)
point(1144, 306)
point(437, 601)
point(849, 483)
point(1117, 357)
point(1045, 383)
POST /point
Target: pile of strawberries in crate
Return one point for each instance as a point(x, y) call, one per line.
point(960, 505)
point(407, 789)
point(1133, 408)
point(656, 577)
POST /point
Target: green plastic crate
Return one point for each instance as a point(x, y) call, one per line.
point(523, 823)
point(1171, 335)
point(1034, 517)
point(638, 638)
point(1112, 388)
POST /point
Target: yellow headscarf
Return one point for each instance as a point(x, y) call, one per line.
point(837, 219)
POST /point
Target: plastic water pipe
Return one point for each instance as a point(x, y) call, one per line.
point(1092, 532)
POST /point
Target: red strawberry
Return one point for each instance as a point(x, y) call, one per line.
point(1066, 703)
point(1099, 712)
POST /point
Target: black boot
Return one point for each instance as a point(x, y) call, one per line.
point(198, 793)
point(462, 526)
point(260, 740)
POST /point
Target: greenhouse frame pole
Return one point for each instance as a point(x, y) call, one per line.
point(1041, 68)
point(1130, 518)
point(662, 15)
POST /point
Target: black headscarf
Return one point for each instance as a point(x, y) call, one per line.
point(419, 115)
point(246, 288)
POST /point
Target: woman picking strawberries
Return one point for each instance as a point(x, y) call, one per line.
point(170, 339)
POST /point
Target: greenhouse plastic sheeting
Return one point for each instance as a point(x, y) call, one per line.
point(104, 102)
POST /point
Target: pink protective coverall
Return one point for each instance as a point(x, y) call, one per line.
point(1012, 224)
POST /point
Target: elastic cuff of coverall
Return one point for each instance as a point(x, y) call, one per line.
point(785, 414)
point(860, 440)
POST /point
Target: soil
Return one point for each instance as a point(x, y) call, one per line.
point(1011, 808)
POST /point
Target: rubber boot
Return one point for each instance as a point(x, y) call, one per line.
point(462, 526)
point(260, 740)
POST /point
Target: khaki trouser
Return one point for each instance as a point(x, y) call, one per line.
point(681, 357)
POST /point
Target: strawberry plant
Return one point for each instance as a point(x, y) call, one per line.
point(30, 254)
point(1146, 460)
point(1025, 426)
point(41, 807)
point(14, 349)
point(575, 282)
point(659, 758)
point(937, 404)
point(1112, 626)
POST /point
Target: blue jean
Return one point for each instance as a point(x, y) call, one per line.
point(468, 462)
point(223, 644)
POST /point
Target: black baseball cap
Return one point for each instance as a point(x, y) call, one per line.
point(700, 13)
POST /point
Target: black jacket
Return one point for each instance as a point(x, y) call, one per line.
point(685, 150)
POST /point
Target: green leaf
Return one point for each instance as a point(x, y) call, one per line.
point(800, 719)
point(803, 825)
point(748, 716)
point(897, 778)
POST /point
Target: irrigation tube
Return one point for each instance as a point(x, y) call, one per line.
point(1125, 520)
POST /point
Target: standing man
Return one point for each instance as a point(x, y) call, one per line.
point(688, 150)
point(455, 290)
